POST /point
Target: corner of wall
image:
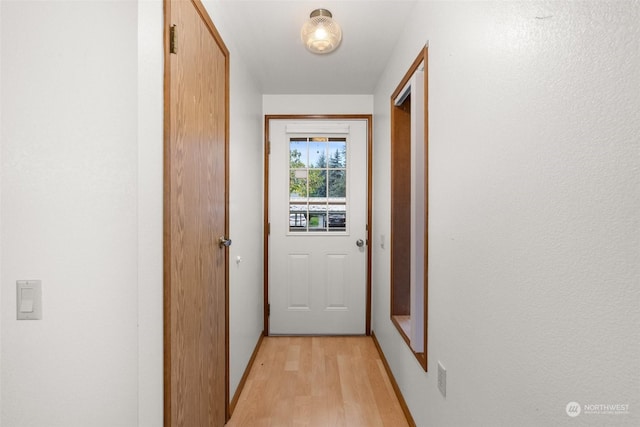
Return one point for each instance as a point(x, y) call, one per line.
point(1, 159)
point(150, 208)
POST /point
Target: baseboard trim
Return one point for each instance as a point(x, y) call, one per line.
point(394, 384)
point(243, 380)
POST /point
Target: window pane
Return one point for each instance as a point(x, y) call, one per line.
point(298, 153)
point(337, 154)
point(317, 221)
point(317, 183)
point(297, 219)
point(298, 184)
point(338, 183)
point(317, 154)
point(338, 217)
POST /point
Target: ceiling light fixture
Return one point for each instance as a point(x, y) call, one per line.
point(321, 34)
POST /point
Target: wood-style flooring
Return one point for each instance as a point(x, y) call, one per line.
point(318, 381)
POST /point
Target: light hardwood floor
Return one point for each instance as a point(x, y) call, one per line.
point(318, 381)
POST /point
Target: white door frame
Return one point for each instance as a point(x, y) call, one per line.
point(369, 119)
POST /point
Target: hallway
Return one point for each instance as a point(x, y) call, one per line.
point(533, 233)
point(318, 381)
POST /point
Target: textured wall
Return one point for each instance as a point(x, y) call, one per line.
point(534, 232)
point(69, 216)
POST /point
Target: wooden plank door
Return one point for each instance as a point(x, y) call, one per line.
point(196, 211)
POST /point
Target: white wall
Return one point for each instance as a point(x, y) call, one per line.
point(150, 205)
point(1, 139)
point(245, 212)
point(534, 201)
point(245, 221)
point(317, 104)
point(69, 212)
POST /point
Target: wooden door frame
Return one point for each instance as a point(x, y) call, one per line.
point(266, 227)
point(399, 251)
point(167, 208)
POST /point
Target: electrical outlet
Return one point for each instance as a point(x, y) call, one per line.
point(442, 379)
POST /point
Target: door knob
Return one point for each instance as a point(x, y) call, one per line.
point(223, 241)
point(360, 243)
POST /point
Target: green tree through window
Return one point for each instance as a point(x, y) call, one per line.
point(317, 184)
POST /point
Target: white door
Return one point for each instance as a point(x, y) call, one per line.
point(318, 230)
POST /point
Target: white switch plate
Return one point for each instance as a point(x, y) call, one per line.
point(442, 379)
point(29, 299)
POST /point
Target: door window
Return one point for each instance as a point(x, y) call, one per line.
point(317, 184)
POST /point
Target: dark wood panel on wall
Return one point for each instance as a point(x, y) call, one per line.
point(401, 208)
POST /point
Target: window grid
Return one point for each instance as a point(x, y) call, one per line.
point(317, 184)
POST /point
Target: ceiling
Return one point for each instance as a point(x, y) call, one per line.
point(266, 33)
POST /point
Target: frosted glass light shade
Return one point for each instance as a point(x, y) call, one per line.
point(321, 34)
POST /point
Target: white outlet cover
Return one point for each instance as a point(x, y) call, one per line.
point(442, 379)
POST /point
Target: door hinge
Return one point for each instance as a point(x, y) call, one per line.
point(268, 309)
point(268, 228)
point(172, 39)
point(268, 147)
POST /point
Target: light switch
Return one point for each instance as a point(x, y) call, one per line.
point(26, 300)
point(29, 299)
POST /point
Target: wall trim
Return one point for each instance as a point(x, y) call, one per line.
point(394, 384)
